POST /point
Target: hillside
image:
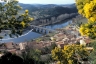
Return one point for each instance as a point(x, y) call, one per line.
point(48, 10)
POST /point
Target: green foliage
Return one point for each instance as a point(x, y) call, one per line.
point(9, 58)
point(38, 40)
point(11, 20)
point(35, 54)
point(93, 53)
point(48, 11)
point(71, 54)
point(32, 56)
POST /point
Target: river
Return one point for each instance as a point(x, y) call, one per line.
point(32, 35)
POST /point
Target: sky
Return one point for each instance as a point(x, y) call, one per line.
point(47, 1)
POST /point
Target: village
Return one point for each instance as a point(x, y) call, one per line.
point(63, 36)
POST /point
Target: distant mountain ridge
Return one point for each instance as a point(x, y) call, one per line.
point(47, 10)
point(46, 5)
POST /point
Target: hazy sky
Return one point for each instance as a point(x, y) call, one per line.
point(47, 1)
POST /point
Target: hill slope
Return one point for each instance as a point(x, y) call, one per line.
point(42, 11)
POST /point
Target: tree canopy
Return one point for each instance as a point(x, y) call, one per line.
point(10, 19)
point(9, 58)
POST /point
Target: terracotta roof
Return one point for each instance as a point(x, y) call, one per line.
point(38, 46)
point(59, 42)
point(87, 41)
point(9, 45)
point(16, 46)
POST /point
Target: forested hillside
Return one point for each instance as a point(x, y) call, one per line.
point(48, 10)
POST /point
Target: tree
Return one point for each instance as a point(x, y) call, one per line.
point(9, 58)
point(87, 8)
point(11, 20)
point(92, 56)
point(32, 56)
point(71, 54)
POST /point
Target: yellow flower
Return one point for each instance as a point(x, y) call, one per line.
point(94, 1)
point(31, 19)
point(80, 11)
point(92, 19)
point(26, 14)
point(87, 30)
point(81, 30)
point(86, 25)
point(22, 14)
point(95, 34)
point(70, 61)
point(26, 11)
point(87, 34)
point(92, 30)
point(88, 9)
point(23, 23)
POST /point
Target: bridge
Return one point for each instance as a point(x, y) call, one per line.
point(41, 30)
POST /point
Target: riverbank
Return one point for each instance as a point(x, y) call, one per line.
point(33, 35)
point(53, 20)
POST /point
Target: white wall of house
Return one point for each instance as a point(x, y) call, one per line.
point(21, 46)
